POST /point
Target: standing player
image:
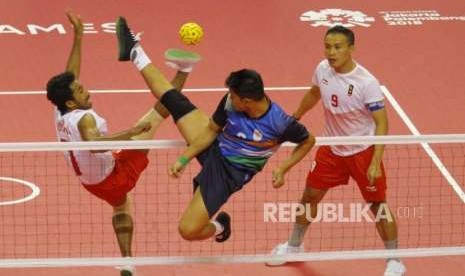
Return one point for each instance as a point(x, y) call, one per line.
point(232, 146)
point(108, 176)
point(354, 106)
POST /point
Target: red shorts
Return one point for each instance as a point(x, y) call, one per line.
point(331, 170)
point(129, 165)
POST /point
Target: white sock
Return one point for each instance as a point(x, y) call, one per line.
point(391, 244)
point(139, 57)
point(219, 228)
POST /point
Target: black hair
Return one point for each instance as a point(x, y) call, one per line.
point(59, 90)
point(246, 83)
point(348, 33)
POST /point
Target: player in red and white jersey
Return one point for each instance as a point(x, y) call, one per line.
point(349, 100)
point(353, 106)
point(108, 175)
point(90, 167)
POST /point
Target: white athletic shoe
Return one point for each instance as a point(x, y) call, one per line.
point(181, 60)
point(395, 268)
point(284, 248)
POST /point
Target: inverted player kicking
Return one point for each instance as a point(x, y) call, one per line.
point(232, 146)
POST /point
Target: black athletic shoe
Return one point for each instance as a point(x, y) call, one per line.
point(126, 272)
point(225, 220)
point(126, 39)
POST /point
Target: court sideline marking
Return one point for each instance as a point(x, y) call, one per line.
point(442, 168)
point(124, 91)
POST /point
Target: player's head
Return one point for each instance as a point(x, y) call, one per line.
point(245, 86)
point(67, 93)
point(339, 45)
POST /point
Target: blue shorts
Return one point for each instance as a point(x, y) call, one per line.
point(218, 179)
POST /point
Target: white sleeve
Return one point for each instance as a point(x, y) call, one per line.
point(317, 75)
point(373, 92)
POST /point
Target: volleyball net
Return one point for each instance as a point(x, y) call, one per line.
point(48, 219)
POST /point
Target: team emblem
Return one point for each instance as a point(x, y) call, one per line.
point(351, 89)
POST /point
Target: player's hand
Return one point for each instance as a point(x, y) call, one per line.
point(278, 178)
point(374, 172)
point(141, 127)
point(75, 21)
point(176, 169)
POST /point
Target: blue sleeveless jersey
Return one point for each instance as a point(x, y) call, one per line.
point(246, 142)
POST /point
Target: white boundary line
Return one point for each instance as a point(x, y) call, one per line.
point(450, 179)
point(35, 190)
point(123, 91)
point(232, 259)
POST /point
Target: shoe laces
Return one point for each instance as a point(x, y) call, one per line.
point(137, 36)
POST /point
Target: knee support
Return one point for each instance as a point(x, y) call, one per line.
point(122, 223)
point(177, 104)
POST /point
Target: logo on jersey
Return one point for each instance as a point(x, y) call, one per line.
point(351, 89)
point(333, 17)
point(257, 135)
point(324, 81)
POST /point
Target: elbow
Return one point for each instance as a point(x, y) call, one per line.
point(311, 141)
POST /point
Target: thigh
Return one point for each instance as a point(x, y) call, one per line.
point(193, 124)
point(359, 164)
point(329, 170)
point(129, 165)
point(218, 179)
point(196, 215)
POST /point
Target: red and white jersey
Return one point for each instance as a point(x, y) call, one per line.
point(345, 100)
point(91, 168)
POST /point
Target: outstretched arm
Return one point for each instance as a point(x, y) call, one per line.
point(89, 131)
point(74, 60)
point(297, 154)
point(309, 100)
point(203, 141)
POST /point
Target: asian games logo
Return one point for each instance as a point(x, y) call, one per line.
point(333, 17)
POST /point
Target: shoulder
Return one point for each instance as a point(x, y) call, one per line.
point(365, 75)
point(323, 66)
point(278, 116)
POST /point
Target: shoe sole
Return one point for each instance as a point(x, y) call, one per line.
point(121, 44)
point(275, 263)
point(182, 55)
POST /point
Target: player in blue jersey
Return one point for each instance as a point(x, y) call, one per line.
point(232, 146)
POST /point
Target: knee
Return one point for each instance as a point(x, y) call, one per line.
point(188, 231)
point(177, 104)
point(378, 206)
point(310, 199)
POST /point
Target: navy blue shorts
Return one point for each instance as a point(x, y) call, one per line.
point(218, 179)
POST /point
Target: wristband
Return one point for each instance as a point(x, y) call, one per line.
point(183, 160)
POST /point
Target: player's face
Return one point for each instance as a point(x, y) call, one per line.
point(339, 52)
point(81, 97)
point(238, 103)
